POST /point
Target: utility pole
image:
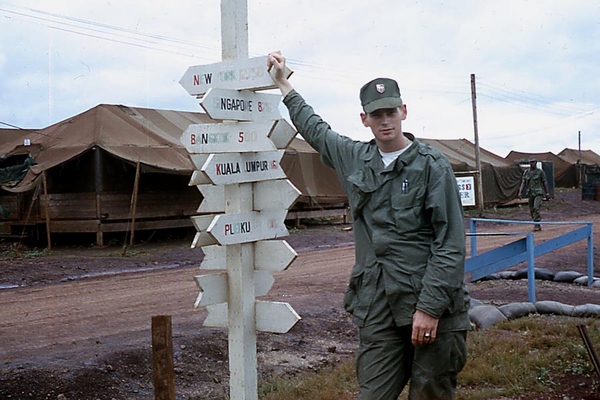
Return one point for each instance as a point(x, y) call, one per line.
point(479, 178)
point(579, 166)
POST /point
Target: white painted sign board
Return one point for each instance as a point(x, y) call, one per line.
point(241, 105)
point(267, 195)
point(248, 227)
point(250, 73)
point(283, 134)
point(271, 316)
point(269, 255)
point(214, 288)
point(229, 137)
point(466, 189)
point(230, 168)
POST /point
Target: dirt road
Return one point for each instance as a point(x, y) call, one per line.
point(90, 337)
point(84, 317)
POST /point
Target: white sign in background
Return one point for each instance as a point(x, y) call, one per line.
point(466, 189)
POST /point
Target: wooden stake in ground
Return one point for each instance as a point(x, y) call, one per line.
point(162, 358)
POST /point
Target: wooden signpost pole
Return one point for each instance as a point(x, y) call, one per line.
point(240, 177)
point(240, 257)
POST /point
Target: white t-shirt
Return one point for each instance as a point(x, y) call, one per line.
point(389, 158)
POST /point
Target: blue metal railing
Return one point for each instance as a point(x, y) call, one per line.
point(524, 250)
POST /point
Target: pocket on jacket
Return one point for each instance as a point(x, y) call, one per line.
point(407, 208)
point(351, 297)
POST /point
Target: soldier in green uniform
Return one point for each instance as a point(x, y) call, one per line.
point(534, 184)
point(406, 291)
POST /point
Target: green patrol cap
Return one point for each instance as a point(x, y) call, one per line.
point(380, 93)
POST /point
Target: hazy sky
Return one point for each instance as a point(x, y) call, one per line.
point(537, 63)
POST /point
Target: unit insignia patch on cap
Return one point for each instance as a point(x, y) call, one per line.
point(380, 87)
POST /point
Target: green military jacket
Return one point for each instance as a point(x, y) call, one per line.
point(408, 224)
point(534, 182)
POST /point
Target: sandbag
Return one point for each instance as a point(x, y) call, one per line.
point(517, 310)
point(566, 276)
point(539, 273)
point(582, 281)
point(553, 307)
point(485, 316)
point(474, 302)
point(586, 311)
point(506, 274)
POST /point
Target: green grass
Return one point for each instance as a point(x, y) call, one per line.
point(526, 355)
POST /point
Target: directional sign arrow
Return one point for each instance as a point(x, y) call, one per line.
point(213, 199)
point(214, 289)
point(202, 238)
point(269, 255)
point(277, 194)
point(241, 105)
point(248, 227)
point(277, 317)
point(272, 255)
point(229, 137)
point(248, 73)
point(215, 257)
point(230, 168)
point(267, 195)
point(283, 134)
point(199, 160)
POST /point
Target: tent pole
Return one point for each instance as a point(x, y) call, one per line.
point(99, 188)
point(134, 197)
point(45, 183)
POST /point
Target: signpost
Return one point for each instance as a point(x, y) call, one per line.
point(239, 176)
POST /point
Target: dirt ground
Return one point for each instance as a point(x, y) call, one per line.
point(75, 321)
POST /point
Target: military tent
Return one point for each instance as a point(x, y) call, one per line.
point(588, 162)
point(564, 173)
point(500, 178)
point(113, 165)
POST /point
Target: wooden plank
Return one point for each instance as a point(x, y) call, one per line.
point(267, 195)
point(275, 316)
point(228, 137)
point(273, 255)
point(248, 227)
point(214, 288)
point(271, 316)
point(242, 105)
point(231, 168)
point(249, 73)
point(88, 226)
point(326, 213)
point(283, 134)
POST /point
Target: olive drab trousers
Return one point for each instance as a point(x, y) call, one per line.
point(386, 360)
point(535, 204)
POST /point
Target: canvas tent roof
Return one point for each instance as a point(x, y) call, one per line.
point(500, 177)
point(588, 157)
point(135, 134)
point(151, 137)
point(565, 174)
point(461, 154)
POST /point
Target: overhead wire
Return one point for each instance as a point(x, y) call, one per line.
point(486, 88)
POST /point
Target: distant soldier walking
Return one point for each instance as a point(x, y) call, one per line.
point(534, 184)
